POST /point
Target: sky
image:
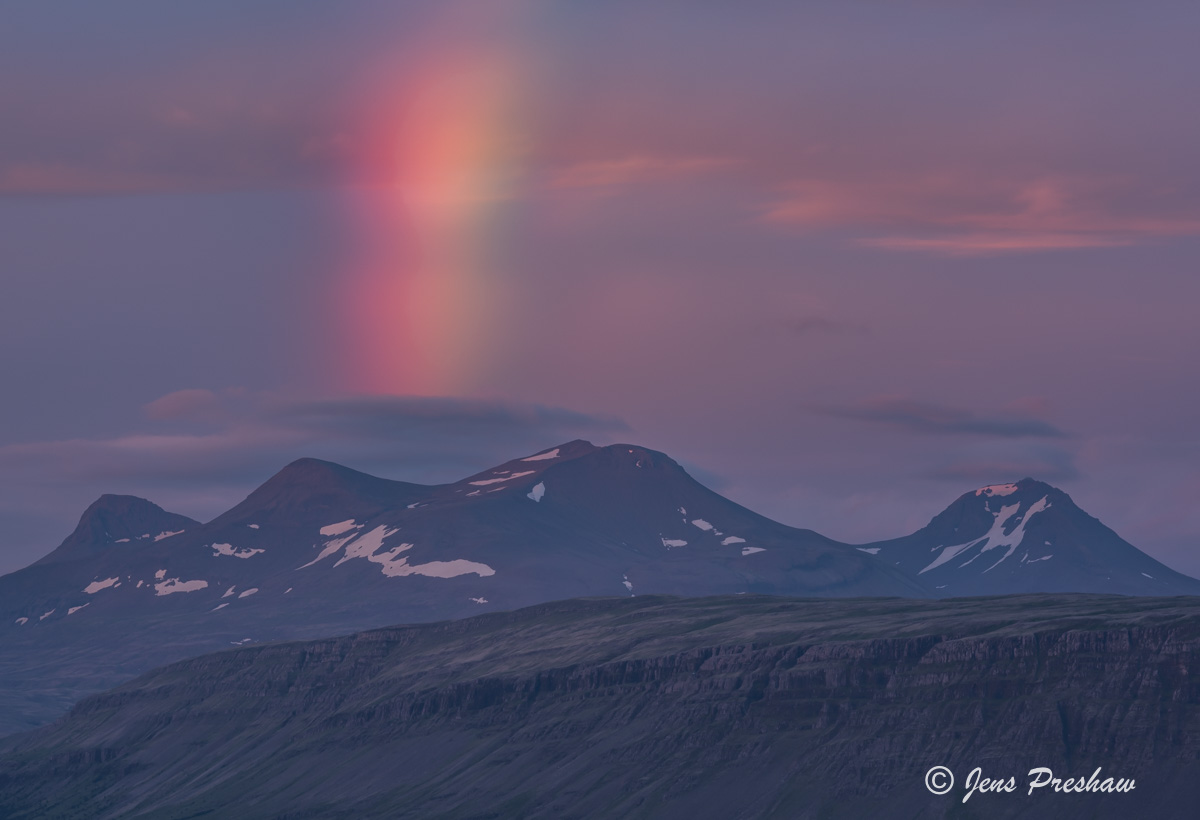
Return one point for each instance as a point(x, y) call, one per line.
point(843, 261)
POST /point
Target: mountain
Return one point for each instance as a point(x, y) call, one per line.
point(1026, 537)
point(118, 519)
point(733, 707)
point(320, 549)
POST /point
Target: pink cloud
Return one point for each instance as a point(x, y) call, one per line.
point(973, 215)
point(978, 244)
point(187, 405)
point(62, 178)
point(610, 173)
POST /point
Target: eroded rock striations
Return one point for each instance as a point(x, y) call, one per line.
point(650, 707)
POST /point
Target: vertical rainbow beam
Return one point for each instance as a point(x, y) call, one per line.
point(426, 303)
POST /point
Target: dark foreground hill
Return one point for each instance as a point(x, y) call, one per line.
point(731, 707)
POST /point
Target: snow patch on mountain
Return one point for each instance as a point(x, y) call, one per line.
point(340, 527)
point(229, 549)
point(96, 586)
point(538, 491)
point(229, 591)
point(488, 481)
point(392, 563)
point(394, 567)
point(331, 547)
point(732, 539)
point(673, 542)
point(702, 524)
point(995, 537)
point(165, 534)
point(438, 569)
point(549, 454)
point(22, 621)
point(248, 592)
point(752, 550)
point(173, 585)
point(367, 544)
point(75, 609)
point(869, 550)
point(997, 489)
point(47, 615)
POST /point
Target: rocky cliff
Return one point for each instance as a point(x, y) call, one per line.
point(651, 707)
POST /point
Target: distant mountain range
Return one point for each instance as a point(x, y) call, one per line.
point(320, 549)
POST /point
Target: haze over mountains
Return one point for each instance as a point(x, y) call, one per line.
point(320, 549)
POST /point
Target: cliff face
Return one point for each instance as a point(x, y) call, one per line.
point(651, 707)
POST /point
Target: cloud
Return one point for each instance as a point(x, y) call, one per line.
point(613, 173)
point(59, 178)
point(258, 433)
point(936, 419)
point(1043, 463)
point(187, 405)
point(396, 417)
point(991, 243)
point(949, 214)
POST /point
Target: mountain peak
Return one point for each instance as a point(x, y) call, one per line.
point(577, 445)
point(309, 484)
point(562, 452)
point(312, 469)
point(116, 501)
point(118, 519)
point(1018, 489)
point(1026, 536)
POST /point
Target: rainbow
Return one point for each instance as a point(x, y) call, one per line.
point(420, 299)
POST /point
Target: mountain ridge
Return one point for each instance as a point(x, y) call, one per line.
point(321, 549)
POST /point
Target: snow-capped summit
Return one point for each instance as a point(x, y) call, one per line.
point(1027, 536)
point(997, 489)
